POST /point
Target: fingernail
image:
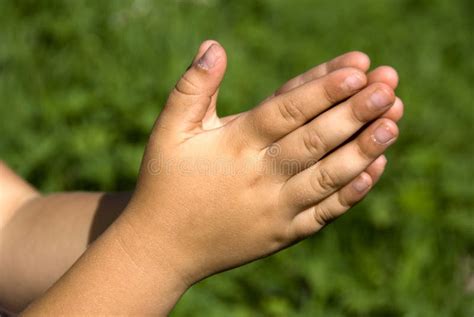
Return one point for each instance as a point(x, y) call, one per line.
point(210, 57)
point(379, 99)
point(354, 81)
point(360, 184)
point(383, 134)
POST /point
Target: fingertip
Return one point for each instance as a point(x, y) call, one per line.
point(381, 160)
point(196, 89)
point(400, 108)
point(395, 112)
point(355, 59)
point(385, 74)
point(379, 163)
point(362, 183)
point(390, 125)
point(211, 55)
point(354, 78)
point(362, 60)
point(205, 45)
point(377, 168)
point(356, 70)
point(386, 89)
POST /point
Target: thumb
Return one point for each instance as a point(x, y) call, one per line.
point(197, 89)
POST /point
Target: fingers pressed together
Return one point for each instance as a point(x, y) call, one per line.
point(324, 132)
point(313, 114)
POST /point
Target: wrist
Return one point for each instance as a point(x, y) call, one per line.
point(118, 274)
point(151, 259)
point(154, 236)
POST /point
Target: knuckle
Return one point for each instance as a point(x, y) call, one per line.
point(291, 111)
point(344, 201)
point(324, 181)
point(186, 86)
point(322, 215)
point(314, 143)
point(355, 114)
point(363, 150)
point(281, 236)
point(328, 92)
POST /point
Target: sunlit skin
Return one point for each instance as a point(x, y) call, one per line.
point(182, 223)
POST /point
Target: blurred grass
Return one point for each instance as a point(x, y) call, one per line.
point(81, 83)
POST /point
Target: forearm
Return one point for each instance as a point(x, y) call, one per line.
point(45, 236)
point(117, 275)
point(14, 192)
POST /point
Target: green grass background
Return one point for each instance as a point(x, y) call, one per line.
point(81, 83)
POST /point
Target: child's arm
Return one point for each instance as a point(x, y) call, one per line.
point(14, 192)
point(42, 236)
point(216, 194)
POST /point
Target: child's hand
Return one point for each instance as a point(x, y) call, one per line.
point(217, 193)
point(214, 193)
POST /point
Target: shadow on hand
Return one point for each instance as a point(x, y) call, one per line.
point(111, 205)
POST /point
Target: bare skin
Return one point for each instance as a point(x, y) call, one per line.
point(188, 124)
point(46, 236)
